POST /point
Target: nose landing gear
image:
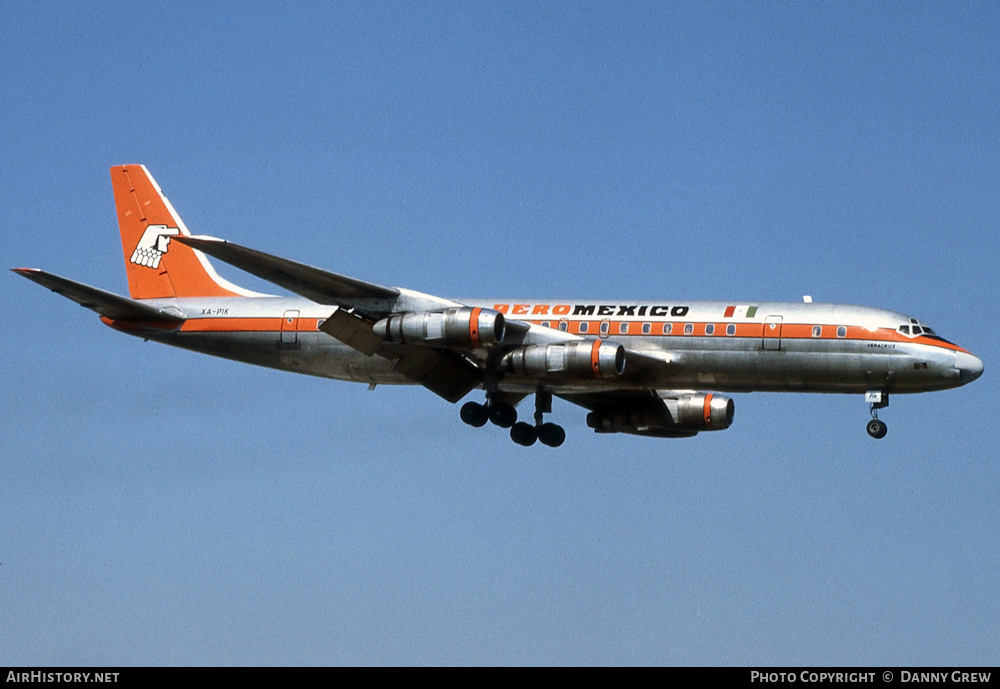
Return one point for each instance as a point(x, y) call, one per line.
point(877, 400)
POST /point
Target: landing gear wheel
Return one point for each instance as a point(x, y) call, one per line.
point(474, 414)
point(503, 415)
point(551, 434)
point(877, 429)
point(523, 434)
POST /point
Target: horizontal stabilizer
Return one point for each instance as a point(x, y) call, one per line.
point(321, 286)
point(106, 304)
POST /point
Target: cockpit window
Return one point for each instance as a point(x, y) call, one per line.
point(917, 328)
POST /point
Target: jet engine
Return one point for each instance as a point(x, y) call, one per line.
point(587, 359)
point(459, 327)
point(676, 415)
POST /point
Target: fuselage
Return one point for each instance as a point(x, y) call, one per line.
point(646, 368)
point(724, 346)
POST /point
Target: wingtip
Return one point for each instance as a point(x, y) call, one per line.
point(196, 239)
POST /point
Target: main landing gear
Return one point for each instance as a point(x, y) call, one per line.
point(877, 400)
point(477, 415)
point(505, 416)
point(548, 433)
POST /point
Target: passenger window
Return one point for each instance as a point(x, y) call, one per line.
point(545, 324)
point(563, 326)
point(710, 329)
point(605, 327)
point(688, 328)
point(647, 328)
point(584, 326)
point(668, 328)
point(841, 331)
point(731, 329)
point(623, 328)
point(817, 331)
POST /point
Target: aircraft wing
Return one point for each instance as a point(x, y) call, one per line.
point(625, 400)
point(320, 286)
point(449, 372)
point(442, 371)
point(643, 411)
point(107, 304)
point(446, 372)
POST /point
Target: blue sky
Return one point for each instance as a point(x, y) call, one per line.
point(162, 507)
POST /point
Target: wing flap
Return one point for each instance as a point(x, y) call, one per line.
point(443, 372)
point(107, 304)
point(355, 332)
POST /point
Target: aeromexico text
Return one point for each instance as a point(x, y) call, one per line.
point(636, 310)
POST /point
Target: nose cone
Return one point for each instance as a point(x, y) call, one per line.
point(969, 367)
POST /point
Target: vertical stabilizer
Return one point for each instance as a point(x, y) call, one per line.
point(155, 266)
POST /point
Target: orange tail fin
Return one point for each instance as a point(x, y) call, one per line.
point(155, 266)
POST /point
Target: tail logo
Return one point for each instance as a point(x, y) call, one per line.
point(152, 245)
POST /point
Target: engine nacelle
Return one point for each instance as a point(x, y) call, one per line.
point(459, 327)
point(678, 415)
point(587, 359)
point(703, 411)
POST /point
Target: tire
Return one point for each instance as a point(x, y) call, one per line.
point(552, 435)
point(503, 415)
point(474, 414)
point(523, 434)
point(877, 429)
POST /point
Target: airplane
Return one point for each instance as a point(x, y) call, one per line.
point(649, 368)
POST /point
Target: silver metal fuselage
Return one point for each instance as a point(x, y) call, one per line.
point(646, 368)
point(779, 346)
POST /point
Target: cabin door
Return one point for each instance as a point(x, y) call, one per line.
point(289, 328)
point(772, 333)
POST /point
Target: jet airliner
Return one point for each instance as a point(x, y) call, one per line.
point(646, 368)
